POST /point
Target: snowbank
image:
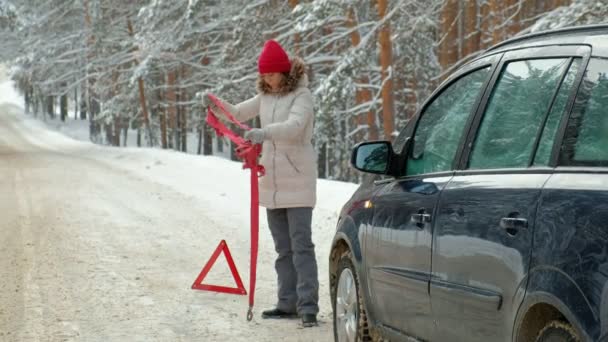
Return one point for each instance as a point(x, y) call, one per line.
point(220, 188)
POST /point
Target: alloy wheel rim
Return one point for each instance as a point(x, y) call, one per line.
point(346, 307)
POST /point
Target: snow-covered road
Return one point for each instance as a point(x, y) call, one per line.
point(102, 244)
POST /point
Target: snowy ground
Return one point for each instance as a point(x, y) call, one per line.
point(102, 244)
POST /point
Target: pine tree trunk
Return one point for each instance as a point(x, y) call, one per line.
point(83, 103)
point(177, 132)
point(343, 159)
point(514, 13)
point(27, 100)
point(199, 148)
point(181, 146)
point(366, 96)
point(170, 99)
point(144, 110)
point(64, 107)
point(460, 30)
point(355, 39)
point(36, 104)
point(205, 131)
point(412, 98)
point(91, 101)
point(448, 52)
point(208, 142)
point(330, 165)
point(386, 61)
point(296, 37)
point(485, 22)
point(163, 130)
point(162, 117)
point(220, 145)
point(125, 131)
point(362, 95)
point(528, 11)
point(142, 94)
point(94, 126)
point(50, 106)
point(76, 103)
point(182, 129)
point(39, 98)
point(322, 161)
point(30, 99)
point(114, 126)
point(497, 12)
point(107, 128)
point(471, 28)
point(117, 131)
point(182, 99)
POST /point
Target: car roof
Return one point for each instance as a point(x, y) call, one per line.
point(567, 35)
point(595, 36)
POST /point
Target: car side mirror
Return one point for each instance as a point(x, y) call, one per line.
point(373, 157)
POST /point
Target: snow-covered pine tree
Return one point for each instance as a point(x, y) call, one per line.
point(118, 60)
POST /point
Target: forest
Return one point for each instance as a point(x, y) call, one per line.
point(141, 66)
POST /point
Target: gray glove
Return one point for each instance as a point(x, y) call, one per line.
point(206, 100)
point(255, 135)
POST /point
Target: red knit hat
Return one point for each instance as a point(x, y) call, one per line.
point(273, 58)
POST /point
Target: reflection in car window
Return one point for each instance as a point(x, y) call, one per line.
point(543, 153)
point(515, 112)
point(586, 140)
point(442, 125)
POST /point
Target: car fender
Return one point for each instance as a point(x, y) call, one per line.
point(351, 235)
point(550, 285)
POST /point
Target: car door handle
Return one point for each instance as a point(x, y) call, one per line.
point(421, 219)
point(513, 224)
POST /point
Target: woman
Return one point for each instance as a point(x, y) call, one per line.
point(288, 189)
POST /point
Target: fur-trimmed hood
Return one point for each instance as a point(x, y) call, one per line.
point(296, 78)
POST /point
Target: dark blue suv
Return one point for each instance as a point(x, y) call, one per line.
point(490, 222)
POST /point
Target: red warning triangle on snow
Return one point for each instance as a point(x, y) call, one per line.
point(239, 289)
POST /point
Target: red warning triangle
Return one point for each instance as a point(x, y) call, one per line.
point(239, 289)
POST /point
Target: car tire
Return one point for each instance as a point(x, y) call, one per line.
point(346, 304)
point(557, 331)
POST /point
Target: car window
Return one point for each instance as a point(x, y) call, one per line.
point(586, 140)
point(515, 113)
point(442, 123)
point(545, 146)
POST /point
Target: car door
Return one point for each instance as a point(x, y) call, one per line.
point(398, 252)
point(486, 214)
point(570, 259)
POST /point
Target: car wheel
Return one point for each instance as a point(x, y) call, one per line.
point(350, 321)
point(557, 331)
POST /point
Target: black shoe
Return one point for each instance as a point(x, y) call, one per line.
point(309, 320)
point(278, 314)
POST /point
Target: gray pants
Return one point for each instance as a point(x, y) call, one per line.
point(296, 265)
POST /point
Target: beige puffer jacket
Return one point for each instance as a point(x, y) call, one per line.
point(288, 156)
